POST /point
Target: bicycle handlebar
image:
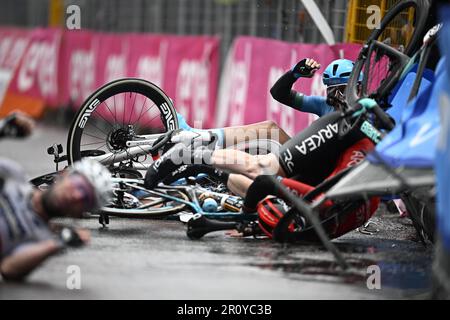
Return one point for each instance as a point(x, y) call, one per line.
point(366, 104)
point(383, 117)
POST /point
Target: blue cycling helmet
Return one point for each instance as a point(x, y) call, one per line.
point(338, 72)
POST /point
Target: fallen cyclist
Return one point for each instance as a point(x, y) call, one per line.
point(27, 237)
point(304, 161)
point(310, 156)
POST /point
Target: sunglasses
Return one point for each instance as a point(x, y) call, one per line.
point(337, 90)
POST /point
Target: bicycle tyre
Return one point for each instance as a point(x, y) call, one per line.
point(126, 85)
point(146, 213)
point(421, 9)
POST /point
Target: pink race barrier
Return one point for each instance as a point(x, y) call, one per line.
point(59, 68)
point(13, 43)
point(36, 76)
point(186, 68)
point(253, 66)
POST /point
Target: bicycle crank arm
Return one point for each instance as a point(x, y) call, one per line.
point(139, 143)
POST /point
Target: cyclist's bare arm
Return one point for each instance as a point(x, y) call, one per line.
point(18, 265)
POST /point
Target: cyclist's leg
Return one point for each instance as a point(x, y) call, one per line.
point(238, 184)
point(230, 136)
point(260, 130)
point(246, 164)
point(312, 155)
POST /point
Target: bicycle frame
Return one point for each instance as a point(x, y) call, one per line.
point(191, 192)
point(136, 149)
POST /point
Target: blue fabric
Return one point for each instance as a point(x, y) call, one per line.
point(182, 124)
point(443, 149)
point(315, 104)
point(412, 143)
point(402, 90)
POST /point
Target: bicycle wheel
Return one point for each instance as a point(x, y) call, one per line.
point(421, 207)
point(383, 58)
point(120, 111)
point(129, 204)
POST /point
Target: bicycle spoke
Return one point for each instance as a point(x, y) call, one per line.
point(140, 126)
point(110, 110)
point(92, 124)
point(132, 107)
point(90, 135)
point(101, 146)
point(88, 144)
point(111, 125)
point(150, 120)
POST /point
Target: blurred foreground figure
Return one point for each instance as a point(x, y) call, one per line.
point(441, 267)
point(26, 237)
point(16, 125)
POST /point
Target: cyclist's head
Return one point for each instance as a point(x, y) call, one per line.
point(335, 77)
point(338, 72)
point(270, 211)
point(86, 186)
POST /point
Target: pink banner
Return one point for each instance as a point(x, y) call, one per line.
point(37, 74)
point(77, 67)
point(186, 68)
point(255, 64)
point(13, 43)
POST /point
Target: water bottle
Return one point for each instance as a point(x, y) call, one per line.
point(210, 205)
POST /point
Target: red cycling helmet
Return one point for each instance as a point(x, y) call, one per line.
point(270, 211)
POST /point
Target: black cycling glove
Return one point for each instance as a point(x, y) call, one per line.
point(9, 128)
point(70, 238)
point(302, 70)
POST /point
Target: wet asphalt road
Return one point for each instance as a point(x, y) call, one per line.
point(144, 259)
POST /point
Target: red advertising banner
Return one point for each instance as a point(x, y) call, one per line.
point(253, 65)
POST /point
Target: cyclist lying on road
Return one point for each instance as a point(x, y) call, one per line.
point(26, 237)
point(309, 157)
